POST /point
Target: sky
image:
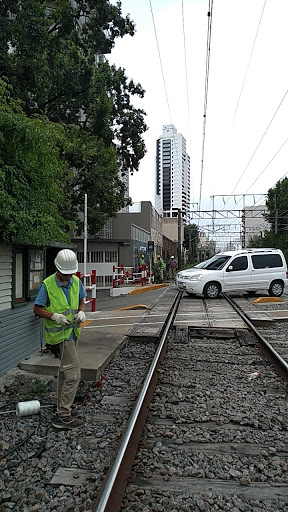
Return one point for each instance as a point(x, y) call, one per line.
point(245, 149)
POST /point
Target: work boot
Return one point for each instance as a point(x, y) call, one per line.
point(67, 422)
point(74, 411)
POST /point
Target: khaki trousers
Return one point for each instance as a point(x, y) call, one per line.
point(171, 272)
point(68, 377)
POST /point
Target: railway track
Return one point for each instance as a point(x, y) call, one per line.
point(206, 436)
point(216, 433)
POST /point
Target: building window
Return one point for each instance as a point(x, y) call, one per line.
point(96, 257)
point(28, 274)
point(108, 281)
point(36, 271)
point(19, 281)
point(139, 234)
point(80, 257)
point(99, 281)
point(110, 256)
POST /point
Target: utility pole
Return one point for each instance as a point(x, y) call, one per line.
point(179, 239)
point(276, 220)
point(85, 238)
point(243, 225)
point(213, 215)
point(243, 230)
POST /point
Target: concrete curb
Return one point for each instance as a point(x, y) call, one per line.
point(137, 306)
point(148, 288)
point(267, 299)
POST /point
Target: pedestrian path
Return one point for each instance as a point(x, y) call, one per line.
point(102, 336)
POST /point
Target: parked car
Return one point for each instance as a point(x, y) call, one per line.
point(247, 270)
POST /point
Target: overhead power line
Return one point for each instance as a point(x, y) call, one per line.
point(159, 55)
point(208, 49)
point(264, 195)
point(268, 164)
point(164, 83)
point(243, 83)
point(273, 117)
point(186, 80)
point(186, 73)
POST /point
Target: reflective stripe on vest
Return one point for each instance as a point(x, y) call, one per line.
point(55, 333)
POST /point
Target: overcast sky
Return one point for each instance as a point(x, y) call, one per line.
point(248, 82)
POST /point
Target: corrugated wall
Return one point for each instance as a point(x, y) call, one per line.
point(19, 336)
point(19, 329)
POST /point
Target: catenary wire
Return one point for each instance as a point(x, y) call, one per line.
point(246, 72)
point(271, 160)
point(160, 59)
point(285, 94)
point(282, 145)
point(284, 175)
point(269, 124)
point(186, 79)
point(244, 80)
point(164, 82)
point(208, 50)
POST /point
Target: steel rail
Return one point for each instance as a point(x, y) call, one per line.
point(270, 350)
point(207, 312)
point(102, 504)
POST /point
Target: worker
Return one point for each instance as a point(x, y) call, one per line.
point(172, 266)
point(143, 270)
point(161, 266)
point(60, 302)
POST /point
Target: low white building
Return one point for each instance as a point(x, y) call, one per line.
point(253, 222)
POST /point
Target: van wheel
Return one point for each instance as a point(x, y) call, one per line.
point(211, 290)
point(276, 289)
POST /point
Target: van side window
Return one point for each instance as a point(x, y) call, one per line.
point(267, 261)
point(240, 263)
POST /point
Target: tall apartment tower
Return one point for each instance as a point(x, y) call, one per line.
point(172, 174)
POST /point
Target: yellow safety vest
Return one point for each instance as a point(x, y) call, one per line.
point(55, 333)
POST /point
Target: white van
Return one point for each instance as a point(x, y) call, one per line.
point(247, 270)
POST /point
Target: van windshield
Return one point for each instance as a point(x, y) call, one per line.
point(216, 263)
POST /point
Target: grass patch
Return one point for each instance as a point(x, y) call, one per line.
point(37, 390)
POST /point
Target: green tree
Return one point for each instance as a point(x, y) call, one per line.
point(277, 215)
point(95, 170)
point(32, 173)
point(191, 239)
point(277, 205)
point(49, 52)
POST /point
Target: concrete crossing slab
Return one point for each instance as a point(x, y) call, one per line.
point(212, 313)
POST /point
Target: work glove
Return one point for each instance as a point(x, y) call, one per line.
point(60, 319)
point(80, 317)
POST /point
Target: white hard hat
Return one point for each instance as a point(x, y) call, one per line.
point(172, 256)
point(66, 262)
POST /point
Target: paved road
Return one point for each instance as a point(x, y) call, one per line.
point(146, 298)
